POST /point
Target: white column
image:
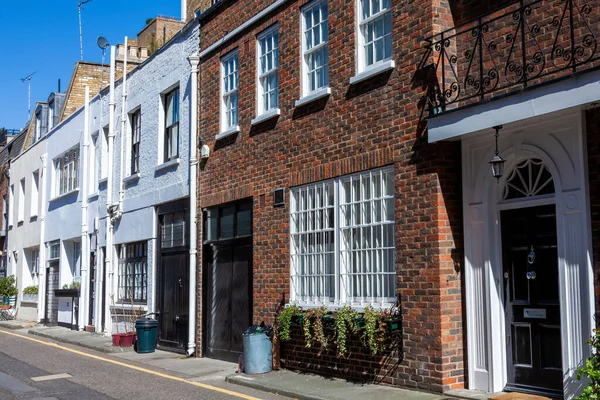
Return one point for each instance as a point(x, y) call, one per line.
point(42, 253)
point(109, 186)
point(84, 291)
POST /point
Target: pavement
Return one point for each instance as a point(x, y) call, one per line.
point(280, 383)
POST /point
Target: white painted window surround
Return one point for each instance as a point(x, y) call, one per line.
point(229, 91)
point(315, 47)
point(11, 204)
point(66, 172)
point(35, 194)
point(342, 241)
point(21, 201)
point(267, 70)
point(374, 39)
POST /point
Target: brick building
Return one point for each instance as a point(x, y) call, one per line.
point(350, 147)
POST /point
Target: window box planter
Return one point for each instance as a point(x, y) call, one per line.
point(30, 298)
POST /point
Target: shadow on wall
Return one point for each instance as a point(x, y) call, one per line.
point(65, 200)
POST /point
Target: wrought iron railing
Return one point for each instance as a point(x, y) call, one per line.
point(528, 43)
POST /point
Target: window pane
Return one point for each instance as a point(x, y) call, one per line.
point(227, 221)
point(244, 220)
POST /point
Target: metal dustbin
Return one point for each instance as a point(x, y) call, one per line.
point(257, 353)
point(147, 330)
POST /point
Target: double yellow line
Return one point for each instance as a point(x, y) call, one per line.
point(147, 371)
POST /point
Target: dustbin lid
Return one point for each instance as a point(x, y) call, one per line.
point(143, 322)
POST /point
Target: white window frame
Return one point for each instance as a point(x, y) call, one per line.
point(133, 263)
point(95, 167)
point(360, 34)
point(262, 77)
point(135, 123)
point(21, 201)
point(76, 260)
point(51, 115)
point(11, 205)
point(35, 261)
point(35, 193)
point(66, 172)
point(304, 232)
point(306, 52)
point(54, 246)
point(168, 129)
point(104, 154)
point(38, 125)
point(226, 124)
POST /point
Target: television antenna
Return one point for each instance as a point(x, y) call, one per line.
point(28, 79)
point(79, 8)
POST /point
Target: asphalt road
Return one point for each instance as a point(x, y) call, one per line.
point(23, 361)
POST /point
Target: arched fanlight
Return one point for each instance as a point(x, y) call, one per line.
point(497, 162)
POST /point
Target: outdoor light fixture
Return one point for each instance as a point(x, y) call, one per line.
point(497, 162)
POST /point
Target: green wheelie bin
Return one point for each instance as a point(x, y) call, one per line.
point(147, 331)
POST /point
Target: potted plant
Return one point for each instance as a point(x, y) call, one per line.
point(8, 291)
point(30, 294)
point(127, 337)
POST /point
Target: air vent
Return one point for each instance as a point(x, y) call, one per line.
point(279, 197)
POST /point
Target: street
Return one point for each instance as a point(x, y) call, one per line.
point(33, 368)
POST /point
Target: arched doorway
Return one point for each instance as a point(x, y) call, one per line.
point(546, 180)
point(530, 280)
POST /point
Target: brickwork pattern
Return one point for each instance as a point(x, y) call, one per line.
point(158, 32)
point(371, 124)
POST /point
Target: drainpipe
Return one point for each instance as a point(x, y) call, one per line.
point(123, 131)
point(42, 252)
point(109, 183)
point(183, 10)
point(194, 59)
point(84, 253)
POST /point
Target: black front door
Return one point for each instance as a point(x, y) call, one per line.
point(173, 283)
point(173, 302)
point(91, 320)
point(229, 308)
point(227, 278)
point(532, 302)
point(51, 313)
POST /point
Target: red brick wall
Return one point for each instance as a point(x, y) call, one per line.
point(593, 147)
point(372, 124)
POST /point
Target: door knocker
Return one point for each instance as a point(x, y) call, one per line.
point(531, 256)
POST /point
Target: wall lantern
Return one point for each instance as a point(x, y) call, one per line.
point(497, 162)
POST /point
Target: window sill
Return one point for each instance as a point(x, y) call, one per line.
point(93, 196)
point(228, 132)
point(103, 181)
point(64, 195)
point(267, 115)
point(135, 177)
point(171, 163)
point(373, 71)
point(333, 307)
point(313, 96)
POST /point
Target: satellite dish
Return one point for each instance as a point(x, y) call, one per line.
point(102, 42)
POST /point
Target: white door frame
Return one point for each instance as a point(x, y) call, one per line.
point(559, 141)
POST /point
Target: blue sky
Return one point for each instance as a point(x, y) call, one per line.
point(43, 36)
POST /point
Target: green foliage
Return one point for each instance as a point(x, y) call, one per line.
point(591, 370)
point(30, 290)
point(72, 285)
point(373, 334)
point(314, 317)
point(344, 321)
point(284, 319)
point(7, 287)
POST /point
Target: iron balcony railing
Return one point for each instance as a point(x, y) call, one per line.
point(523, 45)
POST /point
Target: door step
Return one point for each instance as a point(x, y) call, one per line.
point(518, 396)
